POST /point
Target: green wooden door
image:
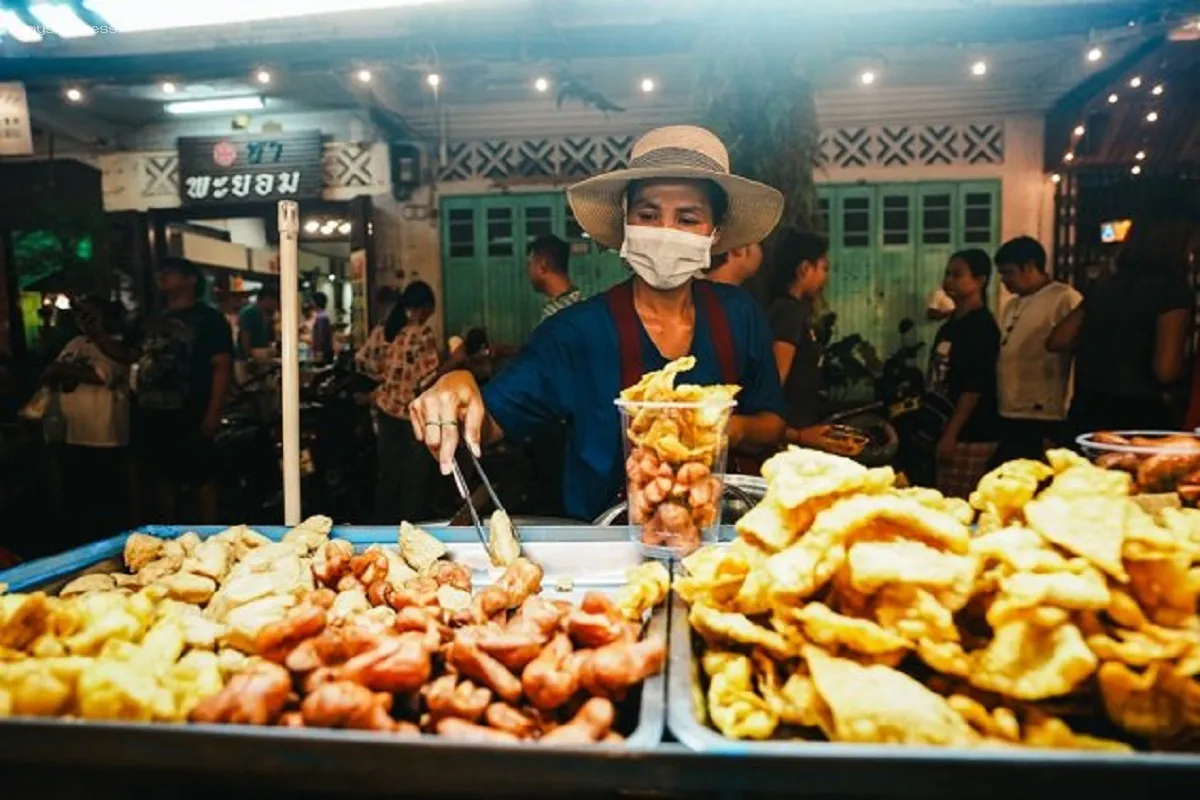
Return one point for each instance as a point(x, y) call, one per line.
point(889, 244)
point(484, 243)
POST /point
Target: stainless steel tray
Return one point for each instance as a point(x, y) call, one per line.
point(593, 559)
point(683, 719)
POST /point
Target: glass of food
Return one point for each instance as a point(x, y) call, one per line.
point(1160, 462)
point(675, 467)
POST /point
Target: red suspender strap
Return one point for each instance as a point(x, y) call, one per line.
point(722, 335)
point(629, 343)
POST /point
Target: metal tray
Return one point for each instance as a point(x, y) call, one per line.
point(695, 734)
point(594, 559)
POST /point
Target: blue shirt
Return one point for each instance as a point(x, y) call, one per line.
point(571, 370)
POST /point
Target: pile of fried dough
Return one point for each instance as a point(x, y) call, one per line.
point(500, 665)
point(854, 611)
point(307, 632)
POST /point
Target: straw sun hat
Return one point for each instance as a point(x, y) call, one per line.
point(677, 151)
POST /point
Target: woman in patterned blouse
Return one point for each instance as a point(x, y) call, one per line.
point(402, 355)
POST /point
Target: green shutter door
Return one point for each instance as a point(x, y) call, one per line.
point(852, 291)
point(936, 241)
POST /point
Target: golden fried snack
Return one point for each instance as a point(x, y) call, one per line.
point(451, 573)
point(520, 581)
point(333, 562)
point(465, 656)
point(397, 664)
point(418, 548)
point(485, 605)
point(645, 588)
point(609, 671)
point(447, 697)
point(256, 696)
point(504, 717)
point(596, 622)
point(552, 679)
point(591, 724)
point(345, 704)
point(514, 647)
point(276, 641)
point(463, 731)
point(541, 615)
point(291, 719)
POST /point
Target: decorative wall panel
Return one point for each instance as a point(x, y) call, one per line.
point(840, 148)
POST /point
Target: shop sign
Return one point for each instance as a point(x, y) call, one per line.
point(16, 136)
point(246, 168)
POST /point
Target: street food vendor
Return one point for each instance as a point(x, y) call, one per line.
point(675, 205)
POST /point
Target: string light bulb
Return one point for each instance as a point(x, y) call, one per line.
point(1140, 155)
point(168, 87)
point(1069, 157)
point(434, 80)
point(263, 77)
point(1080, 130)
point(1152, 116)
point(363, 75)
point(1157, 90)
point(647, 85)
point(344, 228)
point(979, 68)
point(541, 84)
point(1112, 98)
point(1056, 178)
point(73, 95)
point(867, 78)
point(1136, 169)
point(1095, 54)
point(312, 226)
point(1135, 82)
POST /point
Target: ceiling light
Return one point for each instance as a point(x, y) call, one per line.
point(541, 84)
point(12, 25)
point(263, 77)
point(1112, 98)
point(62, 302)
point(168, 87)
point(73, 95)
point(1056, 178)
point(434, 80)
point(1069, 157)
point(979, 68)
point(344, 228)
point(311, 226)
point(1079, 130)
point(61, 20)
point(867, 78)
point(363, 75)
point(1136, 170)
point(647, 84)
point(1152, 116)
point(332, 277)
point(216, 105)
point(1095, 54)
point(1135, 82)
point(1157, 90)
point(1140, 155)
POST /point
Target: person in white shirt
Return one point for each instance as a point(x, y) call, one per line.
point(93, 389)
point(1034, 384)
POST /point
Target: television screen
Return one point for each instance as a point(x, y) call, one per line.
point(1115, 231)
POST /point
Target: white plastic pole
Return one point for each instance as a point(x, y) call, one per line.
point(289, 303)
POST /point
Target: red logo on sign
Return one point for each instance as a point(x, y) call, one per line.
point(225, 154)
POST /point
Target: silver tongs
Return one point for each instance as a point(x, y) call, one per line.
point(464, 492)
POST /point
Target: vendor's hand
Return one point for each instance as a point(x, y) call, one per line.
point(945, 447)
point(817, 437)
point(210, 425)
point(436, 414)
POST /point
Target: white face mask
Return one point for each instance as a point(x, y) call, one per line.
point(665, 258)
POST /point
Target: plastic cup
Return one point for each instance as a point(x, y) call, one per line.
point(675, 470)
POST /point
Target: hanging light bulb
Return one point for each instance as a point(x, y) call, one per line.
point(1152, 116)
point(979, 68)
point(312, 226)
point(168, 87)
point(434, 80)
point(1140, 155)
point(1079, 130)
point(1136, 169)
point(1069, 157)
point(647, 85)
point(73, 95)
point(1157, 90)
point(363, 75)
point(1135, 81)
point(541, 84)
point(344, 228)
point(263, 77)
point(1056, 178)
point(1095, 54)
point(867, 78)
point(1112, 98)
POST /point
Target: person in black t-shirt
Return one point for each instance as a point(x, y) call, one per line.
point(183, 376)
point(800, 270)
point(1130, 334)
point(962, 369)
